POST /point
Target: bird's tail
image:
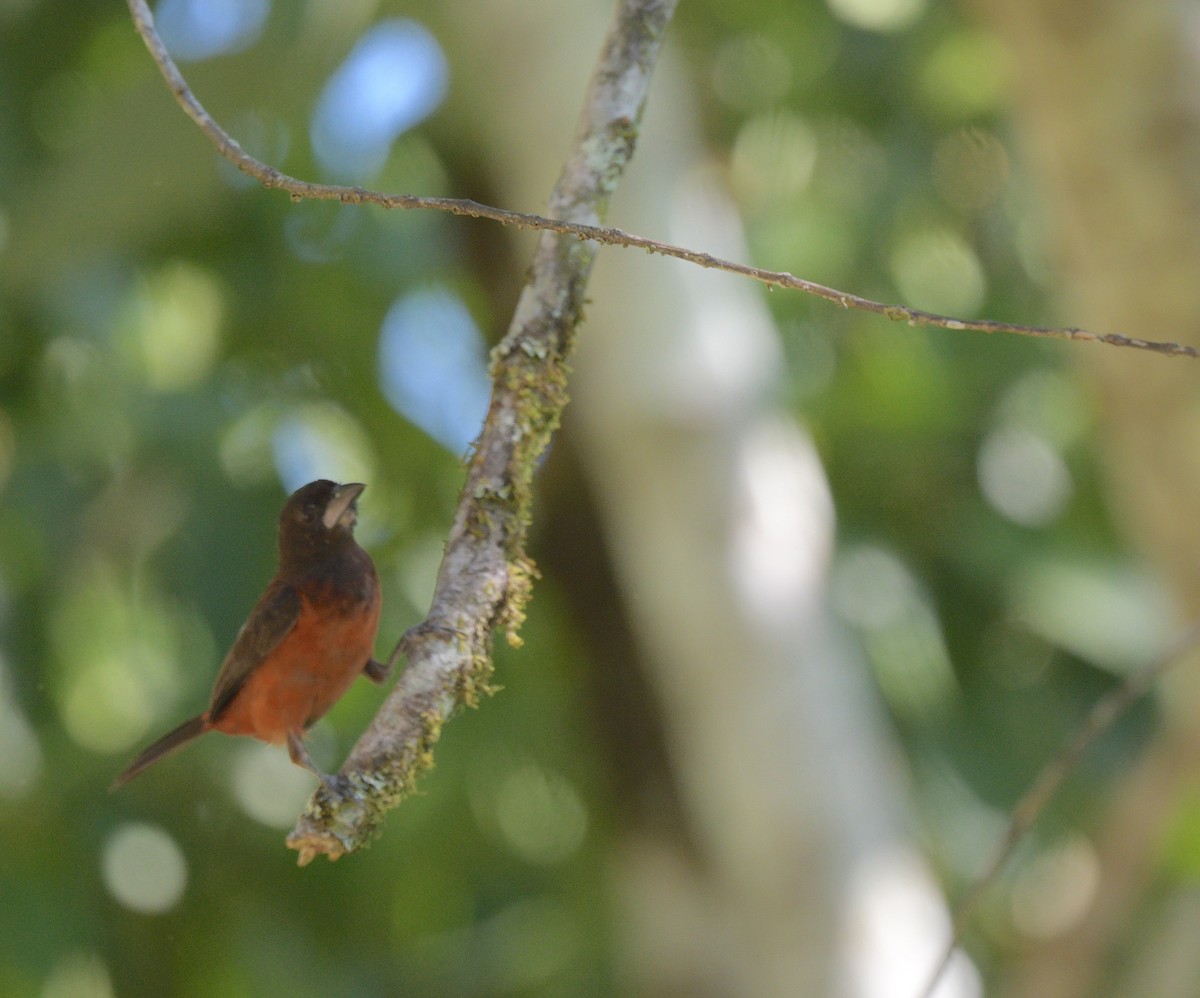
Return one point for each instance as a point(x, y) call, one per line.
point(167, 744)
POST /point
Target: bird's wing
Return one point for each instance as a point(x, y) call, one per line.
point(273, 616)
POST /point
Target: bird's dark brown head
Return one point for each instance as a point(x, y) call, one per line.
point(317, 520)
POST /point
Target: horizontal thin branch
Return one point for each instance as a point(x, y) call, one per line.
point(299, 190)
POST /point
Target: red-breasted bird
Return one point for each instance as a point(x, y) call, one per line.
point(310, 634)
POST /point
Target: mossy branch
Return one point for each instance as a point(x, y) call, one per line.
point(486, 576)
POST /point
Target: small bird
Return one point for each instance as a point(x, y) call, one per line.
point(310, 634)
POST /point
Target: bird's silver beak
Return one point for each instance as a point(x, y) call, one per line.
point(341, 507)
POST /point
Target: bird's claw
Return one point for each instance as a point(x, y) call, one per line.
point(336, 785)
point(427, 630)
point(376, 671)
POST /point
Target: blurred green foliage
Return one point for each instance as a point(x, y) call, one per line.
point(161, 319)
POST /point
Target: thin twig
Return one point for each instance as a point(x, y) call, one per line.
point(1103, 715)
point(274, 179)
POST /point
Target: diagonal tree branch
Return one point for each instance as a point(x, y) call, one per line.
point(485, 576)
point(274, 179)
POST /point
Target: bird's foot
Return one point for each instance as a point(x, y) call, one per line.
point(427, 630)
point(336, 785)
point(377, 672)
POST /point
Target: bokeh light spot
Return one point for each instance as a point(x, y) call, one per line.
point(874, 591)
point(1053, 892)
point(533, 940)
point(202, 29)
point(1049, 403)
point(172, 326)
point(246, 446)
point(118, 657)
point(877, 15)
point(773, 158)
point(778, 546)
point(899, 920)
point(268, 786)
point(144, 869)
point(78, 975)
point(540, 815)
point(936, 271)
point(321, 440)
point(418, 567)
point(103, 703)
point(965, 75)
point(1106, 614)
point(432, 366)
point(395, 76)
point(1022, 477)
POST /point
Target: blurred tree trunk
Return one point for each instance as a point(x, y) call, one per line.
point(770, 861)
point(1108, 108)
